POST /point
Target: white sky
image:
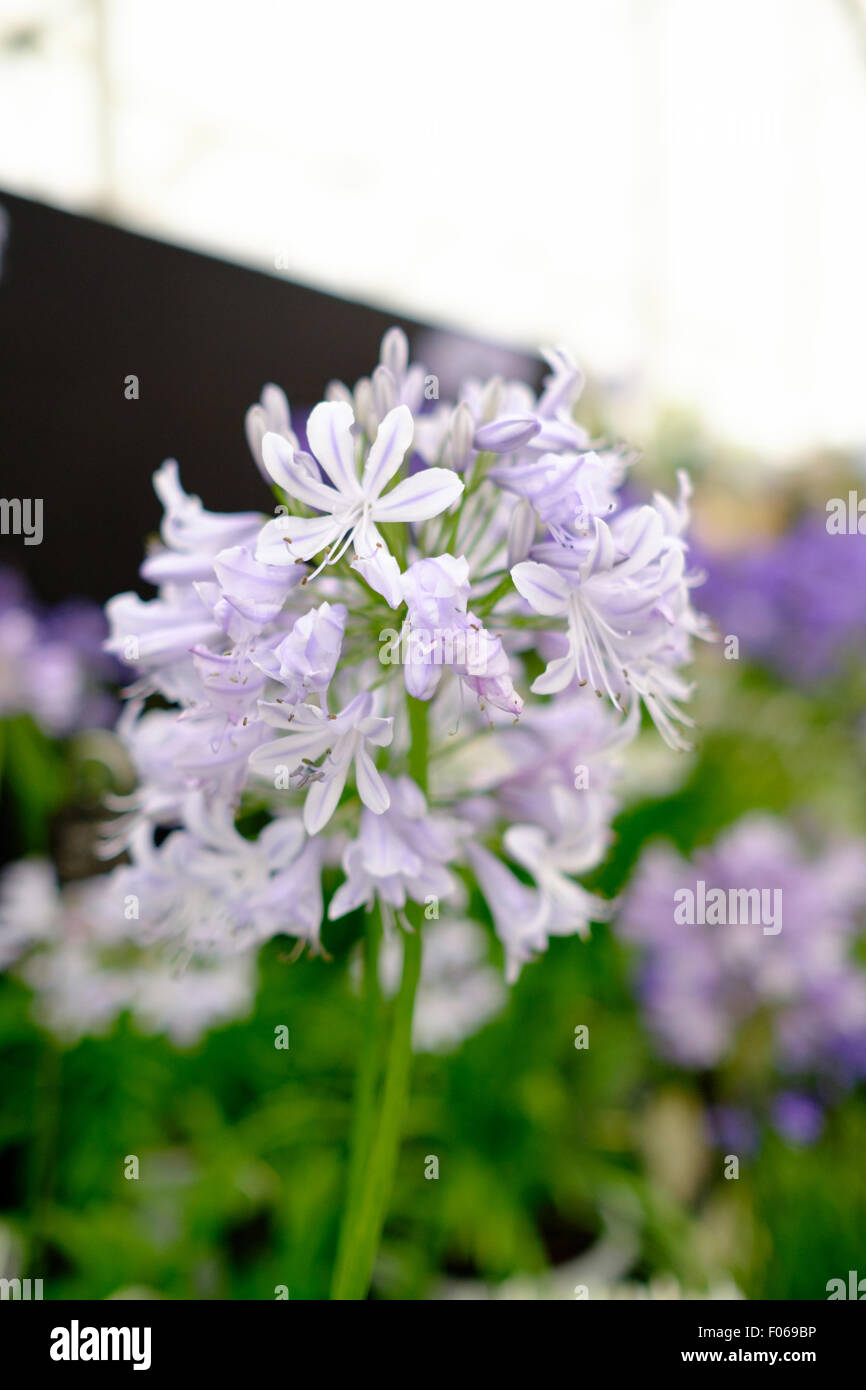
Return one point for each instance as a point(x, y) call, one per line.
point(674, 188)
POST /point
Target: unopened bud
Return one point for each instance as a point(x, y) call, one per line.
point(461, 435)
point(339, 391)
point(394, 353)
point(491, 398)
point(384, 391)
point(506, 435)
point(365, 407)
point(276, 407)
point(521, 532)
point(256, 427)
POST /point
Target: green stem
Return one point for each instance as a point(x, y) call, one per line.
point(419, 742)
point(364, 1119)
point(369, 1216)
point(376, 1162)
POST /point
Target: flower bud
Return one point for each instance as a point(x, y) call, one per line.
point(506, 435)
point(384, 391)
point(462, 430)
point(338, 391)
point(491, 399)
point(394, 353)
point(521, 532)
point(365, 407)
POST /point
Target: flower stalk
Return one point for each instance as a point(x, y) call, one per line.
point(375, 1147)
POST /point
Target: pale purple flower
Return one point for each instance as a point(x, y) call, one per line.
point(521, 532)
point(400, 854)
point(75, 992)
point(229, 687)
point(443, 634)
point(219, 893)
point(563, 771)
point(173, 756)
point(552, 412)
point(568, 491)
point(349, 505)
point(270, 415)
point(248, 595)
point(629, 621)
point(317, 751)
point(192, 536)
point(158, 634)
point(304, 662)
point(186, 1004)
point(525, 918)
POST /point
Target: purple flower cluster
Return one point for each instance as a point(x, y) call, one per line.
point(796, 602)
point(702, 984)
point(482, 534)
point(53, 665)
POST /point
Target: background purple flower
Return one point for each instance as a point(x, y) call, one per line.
point(798, 997)
point(52, 663)
point(798, 1117)
point(796, 602)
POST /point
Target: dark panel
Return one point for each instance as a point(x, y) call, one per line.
point(82, 305)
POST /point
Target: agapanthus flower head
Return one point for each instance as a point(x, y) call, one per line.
point(419, 555)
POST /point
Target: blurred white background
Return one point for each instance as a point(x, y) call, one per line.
point(674, 188)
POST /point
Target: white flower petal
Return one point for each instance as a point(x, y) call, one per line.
point(265, 759)
point(642, 537)
point(541, 586)
point(347, 897)
point(388, 450)
point(556, 677)
point(374, 561)
point(418, 498)
point(377, 730)
point(282, 841)
point(329, 431)
point(603, 553)
point(279, 459)
point(289, 538)
point(322, 798)
point(371, 788)
point(358, 708)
